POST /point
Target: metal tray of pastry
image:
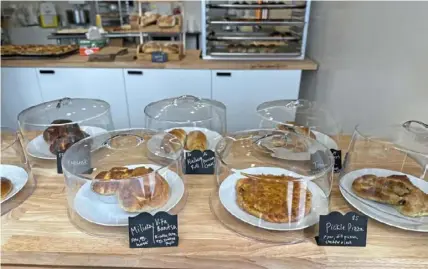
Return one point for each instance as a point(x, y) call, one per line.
point(250, 37)
point(251, 6)
point(20, 56)
point(222, 21)
point(256, 54)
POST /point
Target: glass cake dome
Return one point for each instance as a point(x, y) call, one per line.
point(385, 174)
point(52, 127)
point(273, 185)
point(198, 123)
point(17, 180)
point(115, 175)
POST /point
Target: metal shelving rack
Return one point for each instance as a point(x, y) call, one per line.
point(220, 30)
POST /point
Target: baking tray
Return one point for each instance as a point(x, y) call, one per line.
point(257, 6)
point(39, 56)
point(222, 21)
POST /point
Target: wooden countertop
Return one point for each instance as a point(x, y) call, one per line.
point(191, 61)
point(39, 233)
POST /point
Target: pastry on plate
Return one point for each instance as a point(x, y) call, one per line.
point(6, 187)
point(166, 21)
point(395, 190)
point(177, 143)
point(62, 134)
point(196, 140)
point(151, 47)
point(149, 19)
point(64, 142)
point(277, 199)
point(293, 127)
point(107, 182)
point(143, 194)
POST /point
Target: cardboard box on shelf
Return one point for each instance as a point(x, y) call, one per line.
point(88, 47)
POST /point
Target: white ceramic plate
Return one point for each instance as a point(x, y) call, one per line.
point(17, 175)
point(38, 148)
point(227, 194)
point(382, 212)
point(93, 208)
point(154, 143)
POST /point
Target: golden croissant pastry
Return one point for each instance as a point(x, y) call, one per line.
point(196, 140)
point(6, 187)
point(174, 144)
point(143, 194)
point(107, 183)
point(395, 190)
point(291, 126)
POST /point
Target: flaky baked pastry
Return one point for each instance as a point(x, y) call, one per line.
point(62, 134)
point(395, 190)
point(180, 137)
point(6, 187)
point(151, 47)
point(147, 193)
point(149, 19)
point(292, 127)
point(107, 181)
point(171, 48)
point(196, 140)
point(275, 199)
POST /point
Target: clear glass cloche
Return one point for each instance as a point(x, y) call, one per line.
point(385, 174)
point(52, 127)
point(119, 174)
point(198, 123)
point(273, 185)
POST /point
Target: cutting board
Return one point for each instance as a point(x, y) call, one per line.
point(107, 54)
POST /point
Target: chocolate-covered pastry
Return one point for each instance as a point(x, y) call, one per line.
point(62, 134)
point(62, 143)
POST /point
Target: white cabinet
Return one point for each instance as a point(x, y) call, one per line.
point(19, 90)
point(144, 86)
point(104, 84)
point(243, 90)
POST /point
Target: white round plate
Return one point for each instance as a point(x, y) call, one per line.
point(90, 206)
point(17, 175)
point(227, 195)
point(38, 148)
point(154, 144)
point(382, 212)
point(325, 140)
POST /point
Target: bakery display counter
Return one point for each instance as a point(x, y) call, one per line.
point(39, 234)
point(190, 61)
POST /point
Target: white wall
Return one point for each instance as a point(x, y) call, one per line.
point(373, 61)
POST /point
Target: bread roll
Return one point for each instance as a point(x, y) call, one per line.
point(149, 19)
point(6, 187)
point(181, 135)
point(151, 47)
point(171, 48)
point(143, 194)
point(167, 21)
point(196, 140)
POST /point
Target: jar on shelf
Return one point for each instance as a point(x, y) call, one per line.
point(385, 174)
point(50, 128)
point(17, 180)
point(273, 185)
point(119, 174)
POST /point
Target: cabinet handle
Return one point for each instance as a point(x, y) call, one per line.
point(46, 71)
point(224, 74)
point(135, 72)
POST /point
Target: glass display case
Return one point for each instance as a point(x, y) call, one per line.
point(17, 180)
point(254, 30)
point(301, 116)
point(51, 128)
point(273, 185)
point(198, 123)
point(385, 174)
point(119, 174)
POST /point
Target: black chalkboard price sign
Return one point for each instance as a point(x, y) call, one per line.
point(148, 231)
point(337, 154)
point(348, 230)
point(198, 162)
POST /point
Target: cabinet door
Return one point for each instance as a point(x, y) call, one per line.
point(149, 85)
point(19, 90)
point(242, 91)
point(104, 84)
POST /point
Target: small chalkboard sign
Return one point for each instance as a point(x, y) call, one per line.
point(59, 156)
point(348, 230)
point(148, 231)
point(337, 154)
point(159, 57)
point(198, 162)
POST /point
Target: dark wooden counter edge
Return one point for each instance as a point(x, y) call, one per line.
point(191, 61)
